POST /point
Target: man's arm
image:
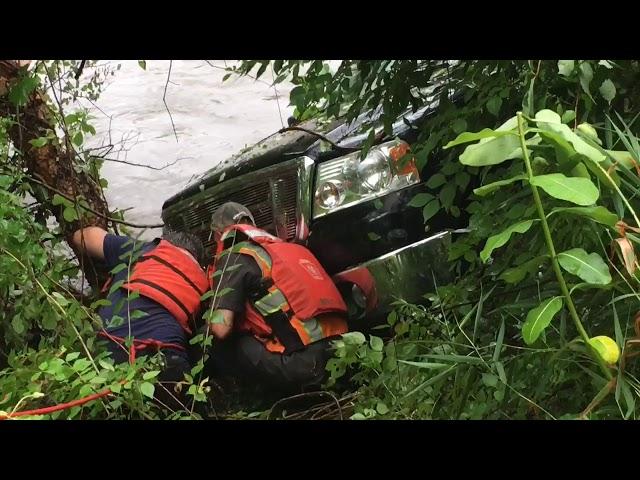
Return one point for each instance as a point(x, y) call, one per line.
point(237, 281)
point(90, 240)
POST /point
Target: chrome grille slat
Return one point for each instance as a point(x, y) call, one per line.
point(260, 191)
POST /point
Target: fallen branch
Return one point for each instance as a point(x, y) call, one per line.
point(321, 137)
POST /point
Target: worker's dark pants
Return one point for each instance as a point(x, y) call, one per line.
point(244, 357)
point(176, 365)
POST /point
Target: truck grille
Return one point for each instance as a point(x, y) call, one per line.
point(270, 194)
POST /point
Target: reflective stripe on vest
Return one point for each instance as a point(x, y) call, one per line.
point(273, 305)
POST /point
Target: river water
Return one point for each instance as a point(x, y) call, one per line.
point(213, 120)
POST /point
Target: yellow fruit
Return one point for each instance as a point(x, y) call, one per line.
point(588, 130)
point(606, 348)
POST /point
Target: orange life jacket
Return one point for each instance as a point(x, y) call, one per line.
point(298, 305)
point(172, 278)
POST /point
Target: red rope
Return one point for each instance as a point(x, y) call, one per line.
point(137, 345)
point(61, 406)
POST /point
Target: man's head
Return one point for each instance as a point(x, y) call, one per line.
point(187, 241)
point(230, 213)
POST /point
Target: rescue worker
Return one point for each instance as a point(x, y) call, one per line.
point(170, 281)
point(279, 310)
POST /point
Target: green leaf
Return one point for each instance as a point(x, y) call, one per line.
point(462, 179)
point(81, 364)
point(224, 291)
point(489, 380)
point(493, 105)
point(115, 287)
point(427, 365)
point(539, 318)
point(598, 214)
point(547, 116)
point(454, 358)
point(492, 152)
point(70, 214)
point(578, 143)
point(71, 118)
point(436, 180)
point(376, 343)
point(72, 356)
point(467, 137)
point(17, 324)
point(49, 322)
point(353, 338)
point(39, 142)
point(566, 67)
point(459, 125)
point(118, 268)
point(498, 240)
point(492, 187)
point(77, 139)
point(608, 90)
point(60, 200)
point(430, 209)
point(568, 116)
point(137, 314)
point(147, 389)
point(97, 380)
point(586, 75)
point(214, 317)
point(420, 200)
point(142, 64)
point(382, 408)
point(19, 93)
point(447, 194)
point(589, 267)
point(210, 293)
point(150, 375)
point(62, 301)
point(104, 364)
point(580, 191)
point(373, 236)
point(516, 274)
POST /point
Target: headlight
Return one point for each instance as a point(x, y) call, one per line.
point(374, 171)
point(347, 180)
point(329, 194)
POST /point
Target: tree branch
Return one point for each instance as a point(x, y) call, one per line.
point(106, 217)
point(164, 99)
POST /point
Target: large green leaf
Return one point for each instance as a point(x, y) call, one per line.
point(566, 67)
point(588, 266)
point(598, 214)
point(608, 90)
point(566, 155)
point(492, 152)
point(498, 240)
point(539, 318)
point(548, 116)
point(466, 137)
point(492, 187)
point(578, 190)
point(547, 122)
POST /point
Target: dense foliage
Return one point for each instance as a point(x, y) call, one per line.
point(549, 196)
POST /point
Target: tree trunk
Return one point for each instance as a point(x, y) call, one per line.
point(52, 164)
